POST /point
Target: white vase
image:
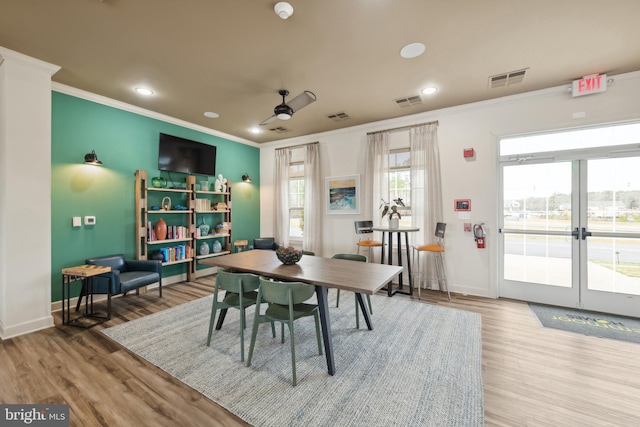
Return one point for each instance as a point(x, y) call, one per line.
point(394, 222)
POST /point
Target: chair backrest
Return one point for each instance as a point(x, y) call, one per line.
point(265, 243)
point(308, 253)
point(363, 227)
point(440, 228)
point(283, 292)
point(116, 262)
point(236, 282)
point(351, 257)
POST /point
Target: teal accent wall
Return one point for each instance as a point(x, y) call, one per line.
point(124, 142)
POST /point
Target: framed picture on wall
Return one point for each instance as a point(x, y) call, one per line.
point(343, 194)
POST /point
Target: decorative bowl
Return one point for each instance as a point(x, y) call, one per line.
point(288, 256)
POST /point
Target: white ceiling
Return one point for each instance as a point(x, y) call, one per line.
point(232, 56)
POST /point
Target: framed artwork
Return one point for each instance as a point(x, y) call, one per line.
point(343, 194)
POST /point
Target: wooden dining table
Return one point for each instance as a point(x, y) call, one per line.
point(323, 273)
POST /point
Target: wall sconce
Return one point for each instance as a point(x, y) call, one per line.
point(246, 177)
point(92, 159)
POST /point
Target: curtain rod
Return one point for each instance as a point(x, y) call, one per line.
point(435, 122)
point(297, 146)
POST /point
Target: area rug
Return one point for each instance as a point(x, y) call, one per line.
point(421, 365)
point(588, 322)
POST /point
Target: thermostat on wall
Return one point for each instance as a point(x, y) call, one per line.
point(89, 220)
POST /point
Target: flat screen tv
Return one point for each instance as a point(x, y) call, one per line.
point(177, 154)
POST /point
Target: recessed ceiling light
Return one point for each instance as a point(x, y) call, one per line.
point(429, 90)
point(412, 50)
point(144, 91)
point(211, 115)
point(254, 130)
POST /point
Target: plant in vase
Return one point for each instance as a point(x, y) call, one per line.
point(392, 210)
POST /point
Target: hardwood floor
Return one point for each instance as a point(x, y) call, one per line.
point(532, 376)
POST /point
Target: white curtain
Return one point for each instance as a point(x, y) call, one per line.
point(281, 206)
point(377, 175)
point(313, 188)
point(426, 191)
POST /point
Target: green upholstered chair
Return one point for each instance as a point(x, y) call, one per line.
point(360, 258)
point(240, 293)
point(286, 304)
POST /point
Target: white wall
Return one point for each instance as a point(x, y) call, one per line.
point(479, 125)
point(25, 194)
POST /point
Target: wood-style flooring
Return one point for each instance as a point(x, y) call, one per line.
point(533, 376)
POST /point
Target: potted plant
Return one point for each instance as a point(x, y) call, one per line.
point(392, 210)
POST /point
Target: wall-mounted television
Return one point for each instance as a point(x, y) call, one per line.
point(177, 154)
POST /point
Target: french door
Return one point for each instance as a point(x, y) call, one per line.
point(570, 232)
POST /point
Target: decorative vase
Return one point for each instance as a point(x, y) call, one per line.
point(204, 248)
point(159, 182)
point(204, 228)
point(394, 222)
point(217, 247)
point(204, 185)
point(160, 229)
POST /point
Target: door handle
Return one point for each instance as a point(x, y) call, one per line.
point(576, 233)
point(585, 233)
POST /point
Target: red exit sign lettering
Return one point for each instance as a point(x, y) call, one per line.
point(589, 84)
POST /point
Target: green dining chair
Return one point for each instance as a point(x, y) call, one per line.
point(360, 258)
point(286, 304)
point(240, 293)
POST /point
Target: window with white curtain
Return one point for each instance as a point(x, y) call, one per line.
point(400, 182)
point(296, 200)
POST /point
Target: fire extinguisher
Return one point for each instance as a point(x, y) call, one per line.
point(479, 234)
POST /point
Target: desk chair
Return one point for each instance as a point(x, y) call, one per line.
point(366, 228)
point(240, 293)
point(437, 249)
point(354, 257)
point(286, 304)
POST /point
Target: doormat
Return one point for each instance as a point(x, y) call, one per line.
point(588, 322)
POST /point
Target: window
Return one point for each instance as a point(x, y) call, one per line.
point(296, 200)
point(400, 182)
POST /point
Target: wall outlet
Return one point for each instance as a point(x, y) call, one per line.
point(89, 220)
point(76, 221)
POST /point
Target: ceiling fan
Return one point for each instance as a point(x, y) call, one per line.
point(284, 111)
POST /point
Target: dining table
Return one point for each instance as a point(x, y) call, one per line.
point(324, 273)
point(398, 231)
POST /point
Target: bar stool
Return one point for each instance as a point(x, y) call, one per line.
point(438, 252)
point(366, 227)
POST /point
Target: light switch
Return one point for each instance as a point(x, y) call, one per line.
point(464, 215)
point(76, 221)
point(89, 220)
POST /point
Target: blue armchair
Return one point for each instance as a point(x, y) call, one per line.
point(268, 243)
point(126, 275)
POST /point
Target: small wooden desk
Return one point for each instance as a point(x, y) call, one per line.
point(323, 273)
point(82, 273)
point(399, 231)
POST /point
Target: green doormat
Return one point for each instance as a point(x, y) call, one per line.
point(588, 322)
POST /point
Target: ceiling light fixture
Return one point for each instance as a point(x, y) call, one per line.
point(283, 9)
point(412, 50)
point(92, 159)
point(283, 112)
point(144, 91)
point(429, 90)
point(211, 115)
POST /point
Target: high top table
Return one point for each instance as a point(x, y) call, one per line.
point(399, 231)
point(323, 273)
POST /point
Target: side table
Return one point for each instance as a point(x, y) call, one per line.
point(84, 274)
point(241, 245)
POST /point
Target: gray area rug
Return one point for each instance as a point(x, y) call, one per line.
point(420, 366)
point(588, 322)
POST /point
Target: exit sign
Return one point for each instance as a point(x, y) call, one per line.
point(589, 84)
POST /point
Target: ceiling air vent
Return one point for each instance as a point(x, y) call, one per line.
point(410, 101)
point(338, 117)
point(279, 129)
point(507, 79)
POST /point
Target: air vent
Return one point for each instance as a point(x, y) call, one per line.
point(507, 79)
point(410, 101)
point(279, 129)
point(338, 117)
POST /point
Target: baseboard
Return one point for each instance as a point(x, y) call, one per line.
point(7, 332)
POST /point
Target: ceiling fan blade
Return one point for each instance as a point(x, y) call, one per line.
point(267, 121)
point(302, 100)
